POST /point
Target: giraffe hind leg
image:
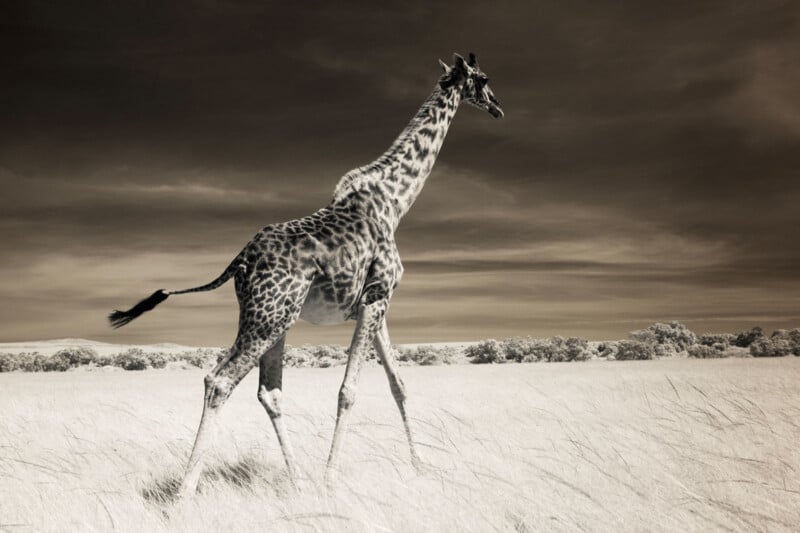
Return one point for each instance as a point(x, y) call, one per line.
point(269, 394)
point(219, 385)
point(261, 327)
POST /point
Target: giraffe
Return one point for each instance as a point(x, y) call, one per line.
point(338, 264)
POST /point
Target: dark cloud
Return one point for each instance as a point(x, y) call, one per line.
point(646, 167)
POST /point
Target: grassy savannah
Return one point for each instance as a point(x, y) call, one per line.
point(668, 445)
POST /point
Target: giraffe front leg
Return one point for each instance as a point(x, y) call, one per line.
point(398, 388)
point(369, 319)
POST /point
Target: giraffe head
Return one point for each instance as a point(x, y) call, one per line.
point(473, 81)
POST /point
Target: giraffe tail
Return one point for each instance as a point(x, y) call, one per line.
point(120, 318)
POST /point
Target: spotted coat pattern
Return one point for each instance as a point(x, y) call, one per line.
point(340, 263)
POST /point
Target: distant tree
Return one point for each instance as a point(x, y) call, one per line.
point(33, 362)
point(10, 362)
point(553, 350)
point(718, 341)
point(520, 349)
point(104, 360)
point(78, 355)
point(157, 359)
point(666, 339)
point(704, 351)
point(59, 362)
point(486, 351)
point(297, 356)
point(628, 350)
point(772, 347)
point(745, 338)
point(790, 337)
point(427, 355)
point(577, 349)
point(132, 359)
point(607, 348)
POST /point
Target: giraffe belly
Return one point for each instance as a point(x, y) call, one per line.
point(322, 308)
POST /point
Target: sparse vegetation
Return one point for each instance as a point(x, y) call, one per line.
point(132, 359)
point(704, 351)
point(607, 349)
point(666, 339)
point(530, 350)
point(746, 338)
point(657, 340)
point(427, 355)
point(720, 341)
point(488, 351)
point(633, 350)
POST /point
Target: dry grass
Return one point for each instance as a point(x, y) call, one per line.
point(670, 445)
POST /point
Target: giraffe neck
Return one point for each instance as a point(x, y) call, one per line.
point(400, 173)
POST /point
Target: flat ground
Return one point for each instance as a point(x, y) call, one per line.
point(669, 445)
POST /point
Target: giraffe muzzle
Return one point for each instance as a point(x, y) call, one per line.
point(495, 111)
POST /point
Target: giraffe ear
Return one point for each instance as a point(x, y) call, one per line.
point(460, 63)
point(444, 66)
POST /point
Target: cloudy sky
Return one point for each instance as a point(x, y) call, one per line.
point(647, 167)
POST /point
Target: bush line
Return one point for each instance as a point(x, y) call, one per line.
point(658, 340)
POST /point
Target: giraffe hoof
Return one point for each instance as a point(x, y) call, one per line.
point(420, 467)
point(330, 480)
point(185, 493)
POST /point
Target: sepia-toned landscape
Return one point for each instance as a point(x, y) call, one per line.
point(590, 289)
point(673, 443)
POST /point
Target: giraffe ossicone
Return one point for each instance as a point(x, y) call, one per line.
point(340, 263)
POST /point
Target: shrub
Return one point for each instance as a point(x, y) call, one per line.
point(10, 362)
point(60, 362)
point(715, 339)
point(32, 362)
point(607, 349)
point(157, 360)
point(428, 355)
point(791, 337)
point(334, 352)
point(552, 350)
point(297, 357)
point(201, 357)
point(132, 359)
point(577, 349)
point(77, 356)
point(104, 360)
point(628, 350)
point(539, 350)
point(704, 351)
point(321, 356)
point(671, 338)
point(521, 349)
point(487, 351)
point(773, 347)
point(745, 338)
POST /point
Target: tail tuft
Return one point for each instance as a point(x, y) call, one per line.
point(120, 318)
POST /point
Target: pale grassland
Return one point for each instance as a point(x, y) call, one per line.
point(668, 445)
